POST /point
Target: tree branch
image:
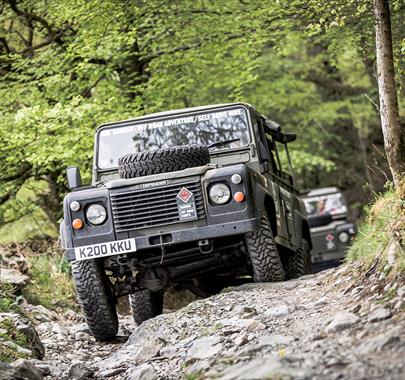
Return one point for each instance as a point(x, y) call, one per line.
point(23, 172)
point(334, 85)
point(17, 186)
point(29, 17)
point(195, 45)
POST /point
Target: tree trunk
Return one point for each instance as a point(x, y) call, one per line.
point(394, 133)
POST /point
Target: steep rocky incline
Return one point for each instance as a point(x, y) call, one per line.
point(317, 327)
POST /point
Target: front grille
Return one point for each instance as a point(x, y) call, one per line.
point(134, 209)
point(319, 243)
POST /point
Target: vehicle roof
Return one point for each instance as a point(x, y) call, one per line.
point(321, 191)
point(179, 111)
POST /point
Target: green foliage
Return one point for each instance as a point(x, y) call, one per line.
point(8, 333)
point(68, 66)
point(384, 225)
point(51, 284)
point(31, 219)
point(7, 298)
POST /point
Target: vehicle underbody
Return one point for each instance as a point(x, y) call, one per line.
point(185, 265)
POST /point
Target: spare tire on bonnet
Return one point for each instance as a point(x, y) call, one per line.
point(163, 160)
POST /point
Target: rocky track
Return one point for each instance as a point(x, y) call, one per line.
point(322, 326)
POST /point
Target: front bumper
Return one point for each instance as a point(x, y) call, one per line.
point(188, 235)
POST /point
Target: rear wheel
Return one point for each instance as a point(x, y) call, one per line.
point(95, 295)
point(298, 263)
point(146, 304)
point(263, 253)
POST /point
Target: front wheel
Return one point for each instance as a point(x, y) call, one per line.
point(298, 263)
point(263, 253)
point(146, 304)
point(94, 292)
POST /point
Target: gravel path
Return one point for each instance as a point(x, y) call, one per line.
point(323, 326)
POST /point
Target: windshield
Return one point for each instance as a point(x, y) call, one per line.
point(330, 203)
point(203, 128)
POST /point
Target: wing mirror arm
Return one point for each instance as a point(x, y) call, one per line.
point(73, 177)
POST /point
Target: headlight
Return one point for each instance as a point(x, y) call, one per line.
point(344, 237)
point(220, 193)
point(96, 214)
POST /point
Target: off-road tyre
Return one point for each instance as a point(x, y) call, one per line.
point(263, 253)
point(145, 305)
point(298, 263)
point(94, 292)
point(163, 160)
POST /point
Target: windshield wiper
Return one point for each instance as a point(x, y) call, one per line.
point(217, 144)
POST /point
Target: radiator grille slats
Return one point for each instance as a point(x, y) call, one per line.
point(319, 243)
point(141, 208)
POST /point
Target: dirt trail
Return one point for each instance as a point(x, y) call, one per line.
point(319, 327)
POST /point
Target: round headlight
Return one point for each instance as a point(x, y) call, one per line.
point(220, 193)
point(344, 237)
point(96, 214)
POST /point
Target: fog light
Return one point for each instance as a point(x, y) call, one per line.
point(74, 206)
point(77, 224)
point(344, 237)
point(236, 179)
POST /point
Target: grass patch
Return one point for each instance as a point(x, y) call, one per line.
point(8, 301)
point(8, 333)
point(51, 284)
point(382, 231)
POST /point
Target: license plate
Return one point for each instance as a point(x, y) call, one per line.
point(111, 248)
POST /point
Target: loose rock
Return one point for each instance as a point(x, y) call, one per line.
point(143, 372)
point(342, 321)
point(13, 277)
point(204, 348)
point(79, 371)
point(277, 311)
point(379, 314)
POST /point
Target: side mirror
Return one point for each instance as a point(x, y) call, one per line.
point(74, 178)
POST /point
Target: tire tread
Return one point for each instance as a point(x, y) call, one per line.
point(264, 256)
point(91, 289)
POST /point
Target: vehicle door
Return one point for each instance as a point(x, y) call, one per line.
point(270, 173)
point(287, 195)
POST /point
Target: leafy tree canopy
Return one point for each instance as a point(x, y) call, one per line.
point(69, 65)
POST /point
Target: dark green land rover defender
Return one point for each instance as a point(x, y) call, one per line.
point(331, 230)
point(193, 198)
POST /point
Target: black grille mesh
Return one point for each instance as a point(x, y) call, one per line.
point(319, 243)
point(134, 209)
